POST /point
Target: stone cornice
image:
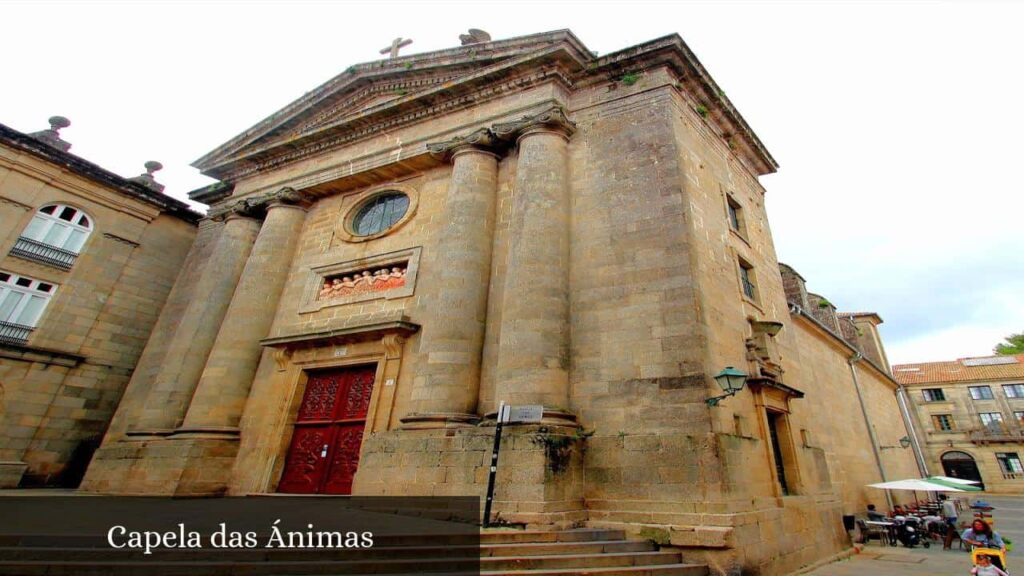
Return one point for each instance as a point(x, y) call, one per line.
point(463, 59)
point(94, 173)
point(445, 81)
point(694, 81)
point(396, 114)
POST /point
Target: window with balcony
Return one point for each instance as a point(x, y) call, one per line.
point(22, 301)
point(991, 420)
point(943, 422)
point(55, 236)
point(933, 395)
point(1013, 390)
point(981, 392)
point(1010, 465)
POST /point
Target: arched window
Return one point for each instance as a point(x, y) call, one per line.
point(55, 235)
point(59, 226)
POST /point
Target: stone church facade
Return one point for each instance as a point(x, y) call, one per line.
point(423, 237)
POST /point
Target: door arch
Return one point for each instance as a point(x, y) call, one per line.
point(958, 464)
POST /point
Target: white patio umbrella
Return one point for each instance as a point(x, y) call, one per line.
point(953, 480)
point(919, 485)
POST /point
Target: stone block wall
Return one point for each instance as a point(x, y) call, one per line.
point(539, 483)
point(61, 391)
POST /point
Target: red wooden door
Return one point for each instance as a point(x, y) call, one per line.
point(324, 453)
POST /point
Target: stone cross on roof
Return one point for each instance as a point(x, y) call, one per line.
point(396, 44)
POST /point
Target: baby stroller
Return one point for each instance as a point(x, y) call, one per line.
point(909, 533)
point(997, 556)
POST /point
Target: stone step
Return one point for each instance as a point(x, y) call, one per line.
point(93, 554)
point(526, 536)
point(562, 561)
point(583, 547)
point(511, 564)
point(653, 570)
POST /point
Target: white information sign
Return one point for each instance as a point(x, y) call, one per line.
point(524, 414)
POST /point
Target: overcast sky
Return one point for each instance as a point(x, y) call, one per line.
point(897, 126)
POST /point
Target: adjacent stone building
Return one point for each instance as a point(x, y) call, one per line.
point(971, 417)
point(87, 259)
point(421, 238)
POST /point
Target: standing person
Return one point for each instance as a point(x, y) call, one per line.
point(981, 535)
point(949, 515)
point(986, 568)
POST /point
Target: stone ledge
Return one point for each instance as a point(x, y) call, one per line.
point(357, 328)
point(41, 355)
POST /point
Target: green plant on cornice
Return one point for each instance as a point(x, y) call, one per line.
point(350, 69)
point(400, 92)
point(407, 65)
point(721, 93)
point(824, 303)
point(702, 110)
point(629, 78)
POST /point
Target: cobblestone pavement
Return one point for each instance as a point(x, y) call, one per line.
point(877, 560)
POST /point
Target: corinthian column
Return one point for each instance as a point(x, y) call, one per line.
point(193, 338)
point(533, 352)
point(224, 386)
point(447, 385)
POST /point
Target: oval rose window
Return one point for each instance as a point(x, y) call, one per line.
point(380, 213)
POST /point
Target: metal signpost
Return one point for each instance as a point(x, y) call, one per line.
point(506, 414)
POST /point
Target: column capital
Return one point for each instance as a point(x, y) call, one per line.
point(238, 209)
point(552, 120)
point(482, 141)
point(256, 206)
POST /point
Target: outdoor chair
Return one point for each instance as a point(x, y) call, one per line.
point(872, 533)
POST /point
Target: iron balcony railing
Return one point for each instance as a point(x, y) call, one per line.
point(43, 253)
point(11, 333)
point(997, 433)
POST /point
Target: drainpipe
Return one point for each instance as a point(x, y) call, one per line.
point(857, 357)
point(901, 399)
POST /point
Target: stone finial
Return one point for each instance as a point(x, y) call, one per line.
point(52, 136)
point(553, 119)
point(147, 179)
point(475, 36)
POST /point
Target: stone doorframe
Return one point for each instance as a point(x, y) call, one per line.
point(772, 396)
point(296, 356)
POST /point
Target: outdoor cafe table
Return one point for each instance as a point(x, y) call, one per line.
point(890, 527)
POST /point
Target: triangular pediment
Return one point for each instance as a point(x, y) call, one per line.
point(362, 94)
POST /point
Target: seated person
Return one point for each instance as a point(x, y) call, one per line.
point(981, 535)
point(984, 567)
point(873, 514)
point(898, 510)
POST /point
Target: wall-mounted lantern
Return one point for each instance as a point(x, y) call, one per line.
point(731, 381)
